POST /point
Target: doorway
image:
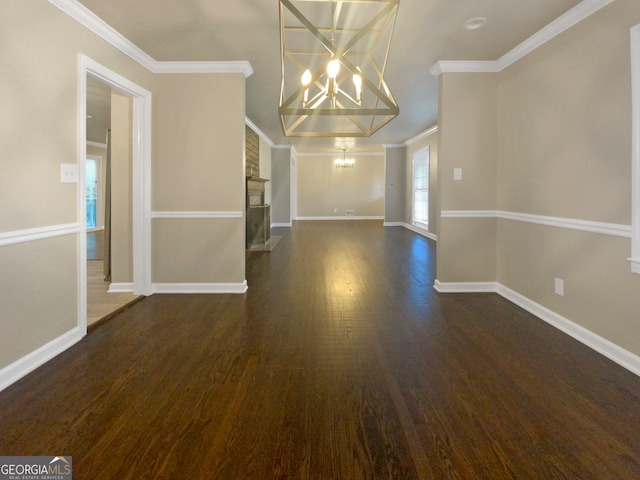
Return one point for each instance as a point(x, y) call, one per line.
point(139, 137)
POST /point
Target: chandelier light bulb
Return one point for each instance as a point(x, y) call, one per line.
point(357, 81)
point(306, 78)
point(333, 68)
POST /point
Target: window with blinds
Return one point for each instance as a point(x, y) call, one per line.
point(421, 188)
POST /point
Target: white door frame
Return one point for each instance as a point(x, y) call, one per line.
point(141, 178)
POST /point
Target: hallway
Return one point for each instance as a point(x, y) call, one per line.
point(340, 362)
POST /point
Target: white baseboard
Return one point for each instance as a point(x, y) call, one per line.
point(18, 369)
point(465, 287)
point(420, 231)
point(601, 345)
point(341, 217)
point(200, 287)
point(120, 287)
point(273, 225)
point(613, 352)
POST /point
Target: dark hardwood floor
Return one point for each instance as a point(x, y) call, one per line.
point(341, 362)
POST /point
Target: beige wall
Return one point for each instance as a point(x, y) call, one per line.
point(321, 187)
point(37, 293)
point(38, 132)
point(564, 150)
point(548, 136)
point(281, 186)
point(198, 166)
point(121, 190)
point(468, 132)
point(265, 169)
point(395, 184)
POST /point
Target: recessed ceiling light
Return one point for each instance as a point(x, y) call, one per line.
point(475, 23)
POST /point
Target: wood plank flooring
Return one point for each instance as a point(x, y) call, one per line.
point(341, 362)
point(100, 302)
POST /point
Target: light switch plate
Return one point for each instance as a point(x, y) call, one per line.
point(457, 174)
point(69, 173)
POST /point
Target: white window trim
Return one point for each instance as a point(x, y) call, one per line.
point(422, 225)
point(635, 168)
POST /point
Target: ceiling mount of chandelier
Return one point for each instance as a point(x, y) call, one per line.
point(333, 57)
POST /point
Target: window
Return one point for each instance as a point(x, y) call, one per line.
point(421, 188)
point(92, 185)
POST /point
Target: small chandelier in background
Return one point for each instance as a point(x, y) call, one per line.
point(333, 57)
point(344, 162)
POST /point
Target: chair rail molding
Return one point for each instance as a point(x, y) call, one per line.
point(40, 233)
point(613, 229)
point(196, 214)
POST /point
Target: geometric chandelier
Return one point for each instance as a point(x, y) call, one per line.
point(333, 58)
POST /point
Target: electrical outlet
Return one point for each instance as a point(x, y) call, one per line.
point(335, 210)
point(350, 213)
point(559, 287)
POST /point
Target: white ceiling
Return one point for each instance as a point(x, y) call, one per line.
point(426, 31)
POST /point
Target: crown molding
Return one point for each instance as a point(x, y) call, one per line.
point(90, 20)
point(564, 22)
point(464, 66)
point(95, 24)
point(240, 66)
point(260, 133)
point(420, 136)
point(333, 153)
point(561, 24)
